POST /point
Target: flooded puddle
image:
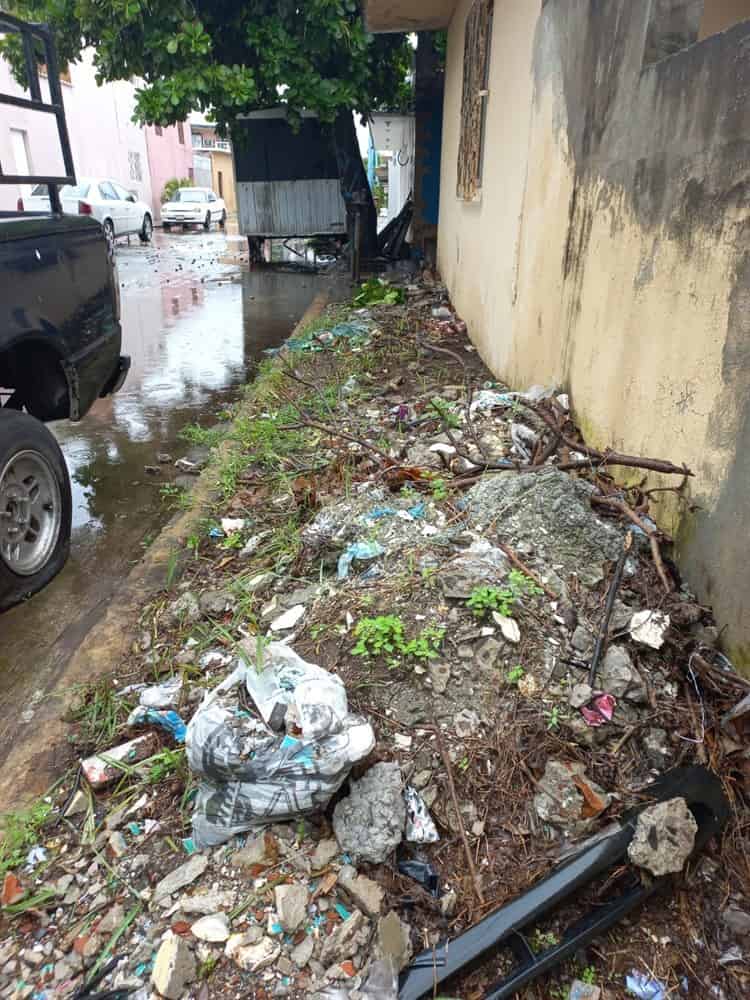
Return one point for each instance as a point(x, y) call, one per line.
point(195, 321)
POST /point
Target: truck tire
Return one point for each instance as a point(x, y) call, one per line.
point(35, 507)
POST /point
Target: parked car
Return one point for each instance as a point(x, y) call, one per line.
point(120, 211)
point(60, 342)
point(193, 206)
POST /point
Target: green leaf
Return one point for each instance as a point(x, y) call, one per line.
point(172, 46)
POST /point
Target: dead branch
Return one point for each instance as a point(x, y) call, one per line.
point(514, 558)
point(631, 515)
point(457, 810)
point(291, 373)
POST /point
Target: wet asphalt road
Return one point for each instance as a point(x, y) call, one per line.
point(195, 320)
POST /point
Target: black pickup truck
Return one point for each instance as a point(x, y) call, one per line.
point(59, 349)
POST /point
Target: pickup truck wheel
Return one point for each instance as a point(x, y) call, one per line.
point(166, 227)
point(147, 229)
point(109, 235)
point(207, 222)
point(35, 507)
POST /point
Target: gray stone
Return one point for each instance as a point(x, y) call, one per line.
point(582, 641)
point(78, 804)
point(736, 921)
point(63, 970)
point(664, 837)
point(448, 903)
point(180, 877)
point(291, 905)
point(213, 928)
point(369, 823)
point(347, 940)
point(580, 695)
point(482, 565)
point(174, 968)
point(302, 954)
point(205, 903)
point(440, 674)
point(559, 801)
point(111, 920)
point(258, 584)
point(656, 745)
point(253, 853)
point(583, 991)
point(618, 677)
point(254, 957)
point(324, 853)
point(394, 940)
point(184, 609)
point(285, 966)
point(553, 511)
point(364, 892)
point(488, 654)
point(466, 723)
point(421, 779)
point(216, 602)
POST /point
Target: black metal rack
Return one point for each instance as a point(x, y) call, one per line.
point(31, 34)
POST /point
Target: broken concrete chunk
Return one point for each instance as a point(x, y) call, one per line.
point(736, 921)
point(254, 957)
point(466, 723)
point(253, 853)
point(78, 804)
point(364, 892)
point(649, 628)
point(98, 770)
point(580, 695)
point(215, 603)
point(184, 610)
point(369, 823)
point(324, 853)
point(291, 906)
point(440, 674)
point(180, 877)
point(618, 677)
point(174, 968)
point(568, 799)
point(205, 903)
point(289, 619)
point(508, 626)
point(213, 928)
point(582, 641)
point(348, 939)
point(302, 954)
point(480, 566)
point(664, 837)
point(394, 941)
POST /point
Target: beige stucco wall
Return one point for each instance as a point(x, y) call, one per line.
point(607, 253)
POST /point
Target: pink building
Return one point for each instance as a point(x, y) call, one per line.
point(170, 154)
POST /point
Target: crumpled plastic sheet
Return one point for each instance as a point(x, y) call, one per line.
point(358, 550)
point(163, 719)
point(644, 987)
point(348, 330)
point(165, 695)
point(599, 710)
point(524, 440)
point(420, 828)
point(253, 776)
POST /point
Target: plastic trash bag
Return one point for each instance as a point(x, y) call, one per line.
point(164, 695)
point(381, 983)
point(252, 775)
point(420, 827)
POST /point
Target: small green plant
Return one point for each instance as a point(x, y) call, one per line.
point(376, 636)
point(376, 292)
point(98, 712)
point(553, 718)
point(20, 831)
point(483, 600)
point(207, 966)
point(172, 496)
point(165, 764)
point(588, 975)
point(426, 645)
point(202, 436)
point(515, 674)
point(446, 412)
point(541, 940)
point(439, 489)
point(193, 544)
point(172, 186)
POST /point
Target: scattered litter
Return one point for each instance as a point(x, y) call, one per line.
point(289, 619)
point(508, 626)
point(358, 550)
point(599, 710)
point(488, 399)
point(165, 695)
point(166, 719)
point(423, 873)
point(649, 627)
point(214, 659)
point(644, 987)
point(231, 525)
point(420, 828)
point(524, 441)
point(215, 532)
point(101, 769)
point(36, 856)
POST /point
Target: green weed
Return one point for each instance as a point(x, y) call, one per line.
point(376, 291)
point(203, 436)
point(385, 636)
point(541, 940)
point(483, 600)
point(99, 713)
point(514, 676)
point(446, 412)
point(21, 831)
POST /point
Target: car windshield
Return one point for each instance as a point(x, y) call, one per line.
point(189, 194)
point(67, 191)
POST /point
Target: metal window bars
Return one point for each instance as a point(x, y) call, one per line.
point(31, 34)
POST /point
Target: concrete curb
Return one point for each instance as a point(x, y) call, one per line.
point(41, 752)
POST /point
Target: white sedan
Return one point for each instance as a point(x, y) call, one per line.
point(193, 206)
point(120, 211)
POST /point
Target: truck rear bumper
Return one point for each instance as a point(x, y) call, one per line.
point(118, 377)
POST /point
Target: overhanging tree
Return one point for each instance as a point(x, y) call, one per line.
point(230, 57)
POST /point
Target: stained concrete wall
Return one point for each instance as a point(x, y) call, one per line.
point(609, 249)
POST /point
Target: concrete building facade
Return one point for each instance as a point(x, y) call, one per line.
point(593, 232)
point(170, 154)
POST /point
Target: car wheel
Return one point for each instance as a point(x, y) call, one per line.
point(166, 227)
point(35, 507)
point(223, 220)
point(207, 222)
point(147, 229)
point(109, 235)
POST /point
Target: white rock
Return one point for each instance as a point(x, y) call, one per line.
point(291, 905)
point(174, 968)
point(181, 877)
point(214, 927)
point(302, 954)
point(648, 628)
point(508, 626)
point(230, 525)
point(254, 957)
point(289, 619)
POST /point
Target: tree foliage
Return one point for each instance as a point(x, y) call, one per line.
point(231, 56)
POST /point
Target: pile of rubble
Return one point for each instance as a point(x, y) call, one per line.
point(466, 663)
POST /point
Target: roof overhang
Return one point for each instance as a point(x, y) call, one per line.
point(408, 15)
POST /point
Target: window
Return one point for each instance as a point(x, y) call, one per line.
point(158, 129)
point(107, 191)
point(190, 194)
point(477, 38)
point(181, 133)
point(134, 164)
point(191, 173)
point(122, 193)
point(220, 179)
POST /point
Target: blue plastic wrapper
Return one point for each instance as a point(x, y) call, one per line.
point(168, 720)
point(644, 987)
point(357, 550)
